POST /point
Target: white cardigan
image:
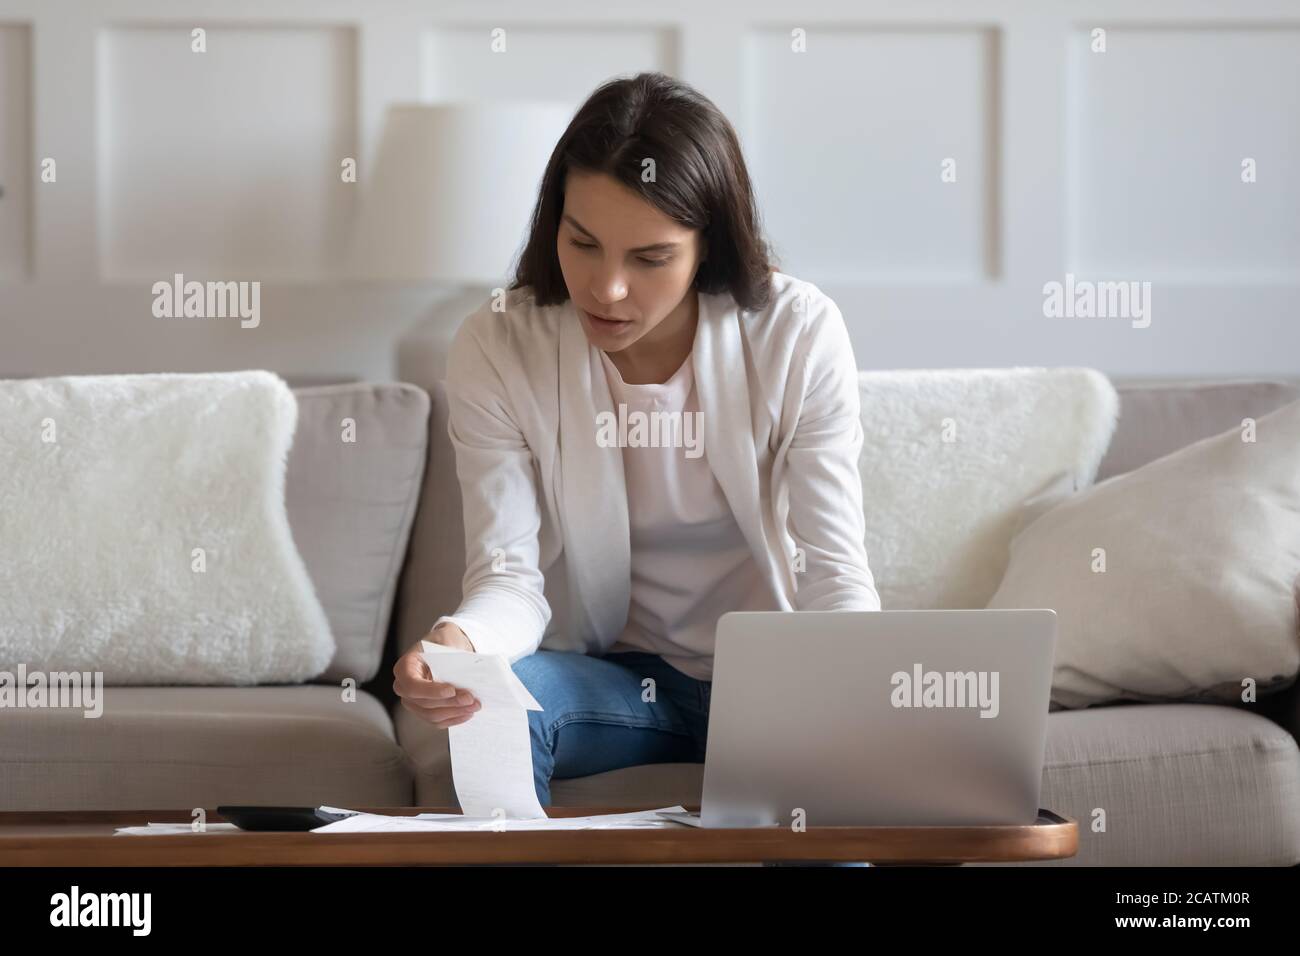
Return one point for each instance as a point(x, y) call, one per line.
point(778, 393)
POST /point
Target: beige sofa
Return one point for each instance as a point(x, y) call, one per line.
point(1181, 784)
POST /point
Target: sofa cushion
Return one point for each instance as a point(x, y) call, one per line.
point(1176, 580)
point(1179, 784)
point(183, 747)
point(431, 579)
point(351, 504)
point(143, 530)
point(1156, 419)
point(948, 457)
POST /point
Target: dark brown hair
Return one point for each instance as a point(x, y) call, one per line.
point(702, 183)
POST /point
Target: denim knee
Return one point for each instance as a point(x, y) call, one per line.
point(543, 758)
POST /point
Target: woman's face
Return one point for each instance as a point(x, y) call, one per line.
point(624, 261)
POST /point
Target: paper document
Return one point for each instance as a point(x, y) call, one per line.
point(450, 822)
point(360, 822)
point(163, 829)
point(491, 754)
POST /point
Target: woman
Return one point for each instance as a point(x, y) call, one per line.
point(662, 423)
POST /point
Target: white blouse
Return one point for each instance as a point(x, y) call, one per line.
point(689, 559)
point(547, 530)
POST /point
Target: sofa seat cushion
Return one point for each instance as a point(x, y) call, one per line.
point(1180, 784)
point(185, 747)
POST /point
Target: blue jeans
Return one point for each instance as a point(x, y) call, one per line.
point(596, 717)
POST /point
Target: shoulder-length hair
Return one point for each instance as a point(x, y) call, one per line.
point(700, 181)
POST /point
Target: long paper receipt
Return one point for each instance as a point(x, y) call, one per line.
point(491, 753)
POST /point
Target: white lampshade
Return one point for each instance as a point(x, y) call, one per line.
point(453, 188)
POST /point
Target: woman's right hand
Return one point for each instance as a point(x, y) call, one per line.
point(442, 704)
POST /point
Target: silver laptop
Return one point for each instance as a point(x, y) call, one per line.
point(886, 718)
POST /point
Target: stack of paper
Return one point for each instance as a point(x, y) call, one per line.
point(162, 829)
point(359, 822)
point(453, 822)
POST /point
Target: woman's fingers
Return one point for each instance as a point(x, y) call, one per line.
point(442, 716)
point(444, 710)
point(412, 680)
point(444, 724)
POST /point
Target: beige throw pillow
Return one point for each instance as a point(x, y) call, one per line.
point(1175, 581)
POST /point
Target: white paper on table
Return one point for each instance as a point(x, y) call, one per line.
point(491, 753)
point(163, 829)
point(370, 823)
point(638, 819)
point(430, 822)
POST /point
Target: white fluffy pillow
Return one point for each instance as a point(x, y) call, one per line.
point(948, 458)
point(108, 486)
point(1201, 554)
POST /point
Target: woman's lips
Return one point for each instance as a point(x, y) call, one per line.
point(607, 325)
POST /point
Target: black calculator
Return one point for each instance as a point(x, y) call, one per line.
point(281, 818)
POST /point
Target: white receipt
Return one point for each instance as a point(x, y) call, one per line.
point(453, 822)
point(491, 754)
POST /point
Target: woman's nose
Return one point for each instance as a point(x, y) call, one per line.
point(608, 287)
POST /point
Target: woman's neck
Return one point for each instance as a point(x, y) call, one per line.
point(652, 359)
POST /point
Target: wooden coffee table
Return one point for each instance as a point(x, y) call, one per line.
point(76, 839)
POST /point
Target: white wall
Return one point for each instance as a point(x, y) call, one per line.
point(1122, 165)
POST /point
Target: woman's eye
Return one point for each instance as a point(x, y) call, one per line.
point(650, 262)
